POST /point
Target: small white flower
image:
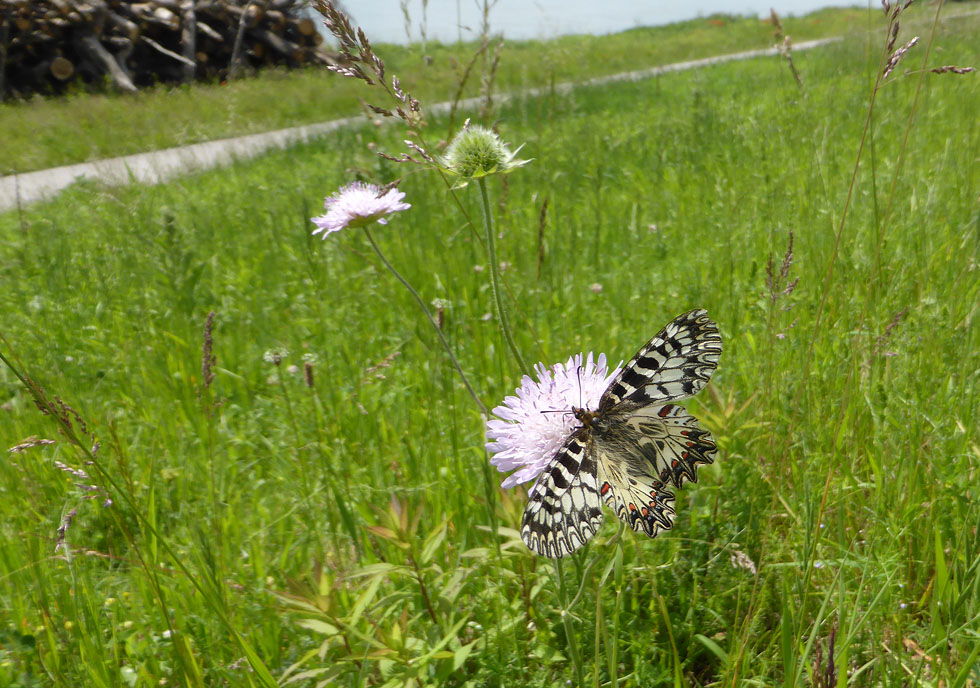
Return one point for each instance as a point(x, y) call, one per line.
point(530, 428)
point(275, 356)
point(358, 205)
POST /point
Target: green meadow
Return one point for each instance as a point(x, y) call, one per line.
point(344, 527)
point(82, 126)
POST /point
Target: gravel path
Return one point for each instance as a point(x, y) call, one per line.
point(158, 166)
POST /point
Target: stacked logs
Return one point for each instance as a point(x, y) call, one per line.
point(46, 45)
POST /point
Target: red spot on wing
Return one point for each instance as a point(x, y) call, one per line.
point(664, 411)
point(605, 488)
point(673, 463)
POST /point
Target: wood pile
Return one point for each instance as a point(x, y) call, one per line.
point(47, 44)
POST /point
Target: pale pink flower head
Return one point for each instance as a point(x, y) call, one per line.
point(530, 428)
point(359, 205)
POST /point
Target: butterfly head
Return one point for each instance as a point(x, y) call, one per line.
point(584, 416)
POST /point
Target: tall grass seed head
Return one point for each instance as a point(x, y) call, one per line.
point(478, 152)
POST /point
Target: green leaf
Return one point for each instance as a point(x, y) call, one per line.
point(964, 673)
point(318, 626)
point(713, 647)
point(258, 666)
point(450, 635)
point(942, 573)
point(462, 653)
point(432, 543)
point(377, 569)
point(364, 599)
point(311, 673)
point(786, 637)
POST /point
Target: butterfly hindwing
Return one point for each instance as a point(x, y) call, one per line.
point(641, 453)
point(683, 444)
point(636, 495)
point(675, 364)
point(563, 509)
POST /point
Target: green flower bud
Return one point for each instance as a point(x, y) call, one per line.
point(478, 152)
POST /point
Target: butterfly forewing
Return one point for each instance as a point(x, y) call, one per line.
point(675, 364)
point(563, 509)
point(630, 451)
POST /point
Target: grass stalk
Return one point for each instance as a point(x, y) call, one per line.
point(213, 601)
point(566, 620)
point(495, 277)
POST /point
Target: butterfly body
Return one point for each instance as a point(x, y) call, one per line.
point(628, 451)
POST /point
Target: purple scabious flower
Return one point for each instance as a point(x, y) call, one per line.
point(359, 205)
point(530, 428)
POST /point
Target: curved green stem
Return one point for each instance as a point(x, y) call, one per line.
point(566, 620)
point(428, 315)
point(495, 278)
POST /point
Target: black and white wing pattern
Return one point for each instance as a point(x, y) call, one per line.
point(627, 453)
point(564, 509)
point(675, 364)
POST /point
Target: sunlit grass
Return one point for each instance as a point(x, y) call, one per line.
point(368, 498)
point(48, 132)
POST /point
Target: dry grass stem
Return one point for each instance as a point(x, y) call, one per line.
point(952, 69)
point(208, 359)
point(776, 282)
point(63, 529)
point(373, 373)
point(28, 443)
point(358, 61)
point(896, 56)
point(784, 45)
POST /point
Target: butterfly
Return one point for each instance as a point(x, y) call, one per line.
point(636, 443)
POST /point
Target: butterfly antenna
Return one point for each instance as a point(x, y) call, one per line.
point(561, 411)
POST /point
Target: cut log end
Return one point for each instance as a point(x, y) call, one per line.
point(62, 68)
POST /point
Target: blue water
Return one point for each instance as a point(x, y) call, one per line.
point(450, 20)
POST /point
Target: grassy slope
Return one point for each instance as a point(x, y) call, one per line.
point(83, 127)
point(670, 194)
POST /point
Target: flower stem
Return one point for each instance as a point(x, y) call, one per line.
point(566, 620)
point(428, 315)
point(495, 278)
